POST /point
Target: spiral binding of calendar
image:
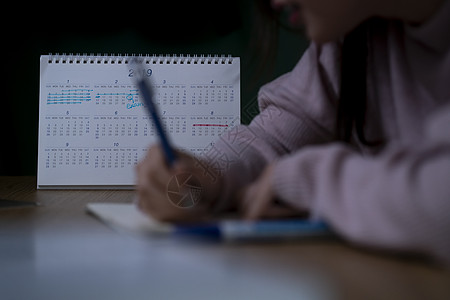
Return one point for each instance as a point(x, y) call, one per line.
point(147, 58)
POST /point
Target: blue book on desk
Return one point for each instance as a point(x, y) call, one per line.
point(126, 217)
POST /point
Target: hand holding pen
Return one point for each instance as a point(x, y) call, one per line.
point(166, 179)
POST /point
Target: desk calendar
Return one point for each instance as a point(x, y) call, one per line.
point(93, 126)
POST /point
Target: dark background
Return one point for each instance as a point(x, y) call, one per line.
point(168, 27)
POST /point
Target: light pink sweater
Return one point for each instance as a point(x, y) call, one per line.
point(395, 198)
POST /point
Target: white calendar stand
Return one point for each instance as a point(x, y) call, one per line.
point(93, 126)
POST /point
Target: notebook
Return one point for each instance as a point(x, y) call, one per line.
point(126, 217)
point(93, 126)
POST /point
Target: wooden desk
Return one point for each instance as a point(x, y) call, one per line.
point(57, 251)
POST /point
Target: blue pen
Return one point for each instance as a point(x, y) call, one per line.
point(143, 83)
point(262, 230)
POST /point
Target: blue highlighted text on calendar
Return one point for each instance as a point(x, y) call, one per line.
point(70, 96)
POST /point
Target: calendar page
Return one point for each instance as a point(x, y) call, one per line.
point(93, 125)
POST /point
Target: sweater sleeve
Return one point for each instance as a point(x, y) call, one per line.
point(296, 109)
point(398, 200)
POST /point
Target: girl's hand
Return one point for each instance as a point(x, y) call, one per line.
point(184, 192)
point(257, 200)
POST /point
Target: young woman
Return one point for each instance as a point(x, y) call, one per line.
point(357, 134)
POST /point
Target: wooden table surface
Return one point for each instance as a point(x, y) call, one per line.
point(57, 251)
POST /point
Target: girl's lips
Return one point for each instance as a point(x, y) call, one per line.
point(277, 6)
point(292, 12)
point(295, 16)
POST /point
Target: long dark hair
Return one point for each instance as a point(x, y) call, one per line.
point(352, 102)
